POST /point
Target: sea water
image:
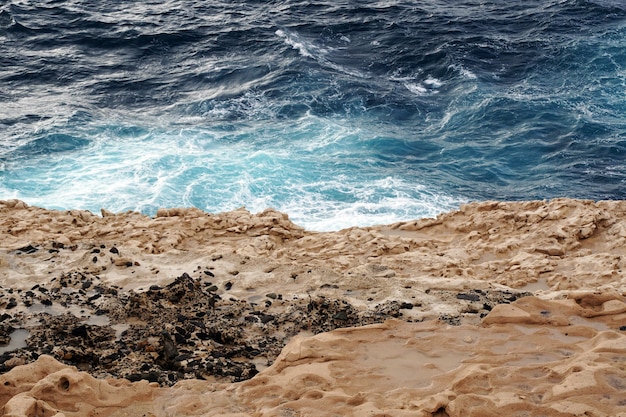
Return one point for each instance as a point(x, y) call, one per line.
point(339, 113)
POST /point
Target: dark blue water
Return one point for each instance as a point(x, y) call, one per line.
point(338, 114)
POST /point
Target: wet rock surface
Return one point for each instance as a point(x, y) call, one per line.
point(185, 329)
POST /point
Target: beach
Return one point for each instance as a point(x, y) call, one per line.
point(497, 308)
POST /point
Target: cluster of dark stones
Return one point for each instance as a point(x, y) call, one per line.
point(180, 331)
point(187, 329)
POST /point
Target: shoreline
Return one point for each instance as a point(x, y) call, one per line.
point(188, 299)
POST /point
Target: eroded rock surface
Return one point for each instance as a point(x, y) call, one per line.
point(495, 309)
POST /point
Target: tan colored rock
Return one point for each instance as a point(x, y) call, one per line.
point(557, 353)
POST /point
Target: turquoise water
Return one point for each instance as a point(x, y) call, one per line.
point(339, 115)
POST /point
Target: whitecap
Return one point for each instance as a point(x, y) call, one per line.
point(310, 50)
point(294, 41)
point(416, 89)
point(465, 73)
point(433, 82)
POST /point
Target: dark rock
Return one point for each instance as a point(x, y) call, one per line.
point(134, 377)
point(94, 297)
point(228, 286)
point(27, 249)
point(340, 315)
point(468, 296)
point(169, 348)
point(181, 335)
point(112, 357)
point(180, 339)
point(152, 376)
point(203, 336)
point(11, 304)
point(80, 331)
point(266, 318)
point(452, 320)
point(220, 337)
point(114, 250)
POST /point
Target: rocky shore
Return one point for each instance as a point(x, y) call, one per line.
point(497, 308)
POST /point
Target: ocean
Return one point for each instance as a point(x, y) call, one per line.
point(339, 113)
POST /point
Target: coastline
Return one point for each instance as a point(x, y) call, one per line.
point(498, 307)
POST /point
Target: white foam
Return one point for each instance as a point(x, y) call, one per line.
point(320, 215)
point(294, 41)
point(378, 201)
point(465, 73)
point(310, 50)
point(427, 86)
point(416, 89)
point(433, 82)
point(308, 171)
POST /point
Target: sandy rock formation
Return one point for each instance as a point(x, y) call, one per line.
point(468, 338)
point(533, 357)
